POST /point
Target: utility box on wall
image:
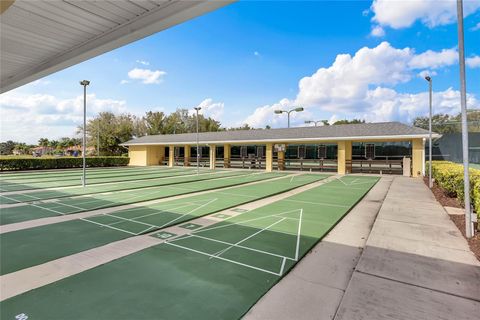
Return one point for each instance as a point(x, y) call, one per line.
point(407, 165)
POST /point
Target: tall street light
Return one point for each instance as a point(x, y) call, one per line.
point(198, 155)
point(463, 102)
point(430, 184)
point(84, 83)
point(298, 109)
point(316, 122)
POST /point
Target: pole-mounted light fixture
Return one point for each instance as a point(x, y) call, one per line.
point(84, 83)
point(430, 183)
point(197, 109)
point(297, 109)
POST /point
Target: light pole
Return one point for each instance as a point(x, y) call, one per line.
point(463, 102)
point(430, 184)
point(316, 122)
point(98, 138)
point(84, 83)
point(175, 126)
point(298, 109)
point(198, 155)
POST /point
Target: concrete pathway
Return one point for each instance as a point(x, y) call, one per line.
point(315, 287)
point(416, 264)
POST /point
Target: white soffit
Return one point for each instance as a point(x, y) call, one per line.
point(39, 37)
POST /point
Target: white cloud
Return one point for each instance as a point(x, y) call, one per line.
point(211, 109)
point(32, 116)
point(432, 59)
point(422, 74)
point(147, 76)
point(256, 54)
point(357, 86)
point(377, 31)
point(124, 82)
point(473, 62)
point(145, 63)
point(475, 28)
point(401, 14)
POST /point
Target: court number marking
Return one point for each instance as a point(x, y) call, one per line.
point(21, 316)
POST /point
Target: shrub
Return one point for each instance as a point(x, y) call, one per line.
point(30, 163)
point(449, 176)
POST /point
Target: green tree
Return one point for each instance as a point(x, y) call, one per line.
point(154, 122)
point(7, 147)
point(43, 142)
point(354, 121)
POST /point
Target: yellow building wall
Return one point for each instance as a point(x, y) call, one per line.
point(269, 157)
point(226, 155)
point(155, 155)
point(344, 154)
point(418, 150)
point(213, 156)
point(137, 155)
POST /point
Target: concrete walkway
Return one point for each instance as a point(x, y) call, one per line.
point(415, 264)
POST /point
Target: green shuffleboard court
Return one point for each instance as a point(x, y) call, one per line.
point(214, 272)
point(69, 205)
point(29, 247)
point(125, 175)
point(167, 178)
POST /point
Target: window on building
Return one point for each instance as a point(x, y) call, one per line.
point(322, 151)
point(370, 151)
point(301, 152)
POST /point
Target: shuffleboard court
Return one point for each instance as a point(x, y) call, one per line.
point(25, 248)
point(65, 175)
point(69, 205)
point(18, 175)
point(214, 272)
point(161, 180)
point(118, 177)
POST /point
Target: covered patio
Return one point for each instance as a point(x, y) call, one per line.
point(385, 148)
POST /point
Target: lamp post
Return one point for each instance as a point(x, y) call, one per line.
point(84, 83)
point(316, 122)
point(198, 155)
point(175, 126)
point(430, 184)
point(298, 109)
point(463, 102)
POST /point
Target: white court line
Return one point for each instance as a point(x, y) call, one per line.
point(298, 234)
point(245, 239)
point(191, 211)
point(242, 223)
point(11, 199)
point(318, 203)
point(283, 266)
point(239, 246)
point(107, 226)
point(224, 259)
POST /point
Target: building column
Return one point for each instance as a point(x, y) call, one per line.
point(418, 150)
point(281, 159)
point(213, 156)
point(344, 154)
point(269, 157)
point(186, 155)
point(226, 155)
point(171, 156)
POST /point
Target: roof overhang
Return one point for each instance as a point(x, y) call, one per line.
point(41, 37)
point(300, 140)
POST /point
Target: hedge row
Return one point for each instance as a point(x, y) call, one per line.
point(60, 163)
point(449, 176)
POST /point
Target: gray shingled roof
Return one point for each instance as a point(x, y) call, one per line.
point(335, 132)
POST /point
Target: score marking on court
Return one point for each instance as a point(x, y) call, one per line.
point(164, 235)
point(191, 226)
point(221, 216)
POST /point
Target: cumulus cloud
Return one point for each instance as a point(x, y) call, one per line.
point(473, 62)
point(211, 109)
point(31, 116)
point(377, 31)
point(360, 86)
point(145, 63)
point(147, 76)
point(433, 59)
point(401, 14)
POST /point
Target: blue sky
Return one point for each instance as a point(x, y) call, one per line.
point(245, 60)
